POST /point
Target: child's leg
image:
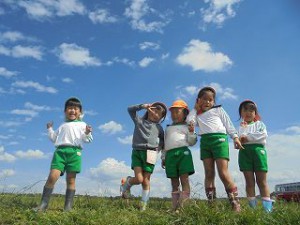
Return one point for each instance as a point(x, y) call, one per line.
point(250, 188)
point(70, 191)
point(209, 180)
point(209, 170)
point(175, 192)
point(146, 189)
point(230, 187)
point(186, 190)
point(129, 181)
point(52, 178)
point(261, 179)
point(48, 189)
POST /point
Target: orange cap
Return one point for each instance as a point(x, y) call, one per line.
point(179, 104)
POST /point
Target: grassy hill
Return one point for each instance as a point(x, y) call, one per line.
point(17, 209)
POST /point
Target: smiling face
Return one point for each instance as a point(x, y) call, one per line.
point(156, 113)
point(72, 113)
point(206, 101)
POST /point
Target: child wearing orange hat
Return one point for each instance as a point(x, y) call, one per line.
point(253, 158)
point(176, 156)
point(148, 139)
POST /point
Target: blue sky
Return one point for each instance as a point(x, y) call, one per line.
point(112, 55)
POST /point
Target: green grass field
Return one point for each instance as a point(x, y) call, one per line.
point(17, 209)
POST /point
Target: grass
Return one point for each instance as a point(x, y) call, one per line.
point(17, 209)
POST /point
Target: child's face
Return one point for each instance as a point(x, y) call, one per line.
point(155, 114)
point(177, 115)
point(248, 114)
point(207, 101)
point(72, 113)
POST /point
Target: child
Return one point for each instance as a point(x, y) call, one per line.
point(176, 157)
point(148, 139)
point(253, 158)
point(214, 124)
point(68, 140)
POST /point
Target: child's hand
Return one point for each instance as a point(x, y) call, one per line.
point(191, 127)
point(197, 106)
point(243, 139)
point(88, 129)
point(50, 124)
point(163, 164)
point(146, 106)
point(237, 143)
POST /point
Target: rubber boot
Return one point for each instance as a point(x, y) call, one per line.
point(234, 201)
point(69, 199)
point(175, 200)
point(211, 194)
point(252, 203)
point(268, 205)
point(45, 199)
point(183, 198)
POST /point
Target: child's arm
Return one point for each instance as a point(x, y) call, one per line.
point(230, 129)
point(134, 108)
point(192, 117)
point(87, 136)
point(191, 136)
point(259, 135)
point(51, 133)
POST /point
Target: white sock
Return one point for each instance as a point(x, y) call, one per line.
point(145, 195)
point(251, 198)
point(266, 198)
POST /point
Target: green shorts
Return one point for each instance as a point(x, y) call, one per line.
point(139, 159)
point(179, 161)
point(253, 158)
point(67, 159)
point(214, 146)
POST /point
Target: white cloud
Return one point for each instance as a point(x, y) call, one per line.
point(222, 92)
point(72, 54)
point(110, 168)
point(30, 154)
point(90, 112)
point(165, 56)
point(102, 16)
point(126, 140)
point(200, 56)
point(219, 11)
point(7, 173)
point(67, 80)
point(149, 45)
point(124, 61)
point(20, 51)
point(34, 107)
point(6, 157)
point(11, 36)
point(146, 61)
point(43, 9)
point(6, 73)
point(7, 124)
point(136, 12)
point(111, 127)
point(24, 112)
point(35, 85)
point(294, 129)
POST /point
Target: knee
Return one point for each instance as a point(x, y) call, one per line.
point(140, 179)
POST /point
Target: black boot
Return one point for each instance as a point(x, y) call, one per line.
point(69, 199)
point(45, 199)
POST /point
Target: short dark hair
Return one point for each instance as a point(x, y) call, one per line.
point(73, 102)
point(206, 89)
point(163, 108)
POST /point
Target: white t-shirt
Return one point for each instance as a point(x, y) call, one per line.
point(70, 134)
point(255, 132)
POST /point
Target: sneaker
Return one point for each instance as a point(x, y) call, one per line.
point(268, 205)
point(252, 203)
point(125, 187)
